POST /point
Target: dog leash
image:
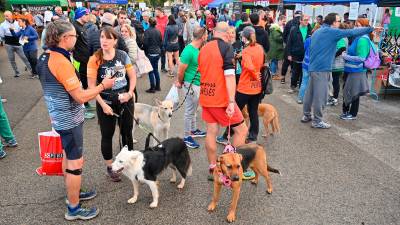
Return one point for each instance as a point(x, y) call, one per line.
point(187, 93)
point(229, 147)
point(142, 127)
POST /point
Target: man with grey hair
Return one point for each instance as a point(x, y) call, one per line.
point(12, 42)
point(58, 12)
point(145, 21)
point(189, 78)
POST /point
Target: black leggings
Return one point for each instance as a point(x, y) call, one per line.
point(336, 84)
point(252, 102)
point(107, 127)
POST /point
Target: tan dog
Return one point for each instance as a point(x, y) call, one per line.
point(270, 118)
point(229, 172)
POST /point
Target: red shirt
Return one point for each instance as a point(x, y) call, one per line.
point(162, 24)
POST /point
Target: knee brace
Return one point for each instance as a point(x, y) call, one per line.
point(76, 172)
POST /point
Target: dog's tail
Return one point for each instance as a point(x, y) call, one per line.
point(190, 170)
point(276, 127)
point(273, 170)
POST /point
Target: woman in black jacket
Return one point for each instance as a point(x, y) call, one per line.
point(152, 47)
point(171, 44)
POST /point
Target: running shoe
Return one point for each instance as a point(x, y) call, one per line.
point(198, 133)
point(190, 142)
point(321, 125)
point(81, 213)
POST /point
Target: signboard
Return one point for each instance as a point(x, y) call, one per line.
point(142, 5)
point(353, 12)
point(122, 2)
point(78, 4)
point(262, 3)
point(237, 7)
point(38, 8)
point(397, 12)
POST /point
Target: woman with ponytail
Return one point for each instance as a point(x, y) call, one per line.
point(115, 106)
point(249, 86)
point(356, 82)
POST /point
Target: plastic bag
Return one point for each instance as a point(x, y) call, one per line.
point(51, 154)
point(173, 95)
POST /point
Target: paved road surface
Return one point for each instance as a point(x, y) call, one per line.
point(349, 174)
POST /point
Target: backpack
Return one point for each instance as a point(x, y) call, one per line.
point(266, 81)
point(373, 61)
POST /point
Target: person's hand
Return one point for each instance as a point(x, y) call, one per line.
point(124, 97)
point(12, 27)
point(178, 84)
point(108, 82)
point(289, 58)
point(107, 110)
point(230, 110)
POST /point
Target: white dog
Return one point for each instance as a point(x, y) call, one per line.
point(145, 166)
point(158, 118)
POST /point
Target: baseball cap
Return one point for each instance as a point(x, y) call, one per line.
point(298, 13)
point(81, 11)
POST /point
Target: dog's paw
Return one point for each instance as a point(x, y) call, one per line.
point(231, 217)
point(211, 207)
point(255, 182)
point(132, 200)
point(154, 205)
point(180, 186)
point(269, 191)
point(134, 141)
point(172, 180)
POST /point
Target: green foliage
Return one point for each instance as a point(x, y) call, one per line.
point(156, 3)
point(2, 5)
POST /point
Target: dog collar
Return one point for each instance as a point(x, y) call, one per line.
point(226, 181)
point(159, 117)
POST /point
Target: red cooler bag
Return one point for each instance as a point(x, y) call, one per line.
point(51, 154)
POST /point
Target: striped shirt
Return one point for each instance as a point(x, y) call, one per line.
point(58, 77)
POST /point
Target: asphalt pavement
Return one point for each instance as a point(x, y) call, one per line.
point(349, 174)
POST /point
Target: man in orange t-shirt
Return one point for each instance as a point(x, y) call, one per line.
point(217, 91)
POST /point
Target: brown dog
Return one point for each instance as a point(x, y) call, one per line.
point(270, 118)
point(229, 172)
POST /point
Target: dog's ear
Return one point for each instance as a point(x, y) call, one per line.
point(158, 102)
point(125, 148)
point(240, 157)
point(220, 159)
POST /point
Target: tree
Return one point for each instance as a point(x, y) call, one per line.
point(156, 3)
point(2, 5)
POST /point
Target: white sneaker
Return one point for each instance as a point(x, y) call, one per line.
point(1, 80)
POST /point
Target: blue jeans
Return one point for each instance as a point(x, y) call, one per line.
point(304, 84)
point(154, 76)
point(274, 66)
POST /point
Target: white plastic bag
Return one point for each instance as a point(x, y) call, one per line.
point(173, 95)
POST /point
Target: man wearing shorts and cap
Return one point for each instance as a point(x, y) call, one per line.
point(217, 92)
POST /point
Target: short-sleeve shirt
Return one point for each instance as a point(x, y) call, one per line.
point(189, 57)
point(118, 65)
point(58, 77)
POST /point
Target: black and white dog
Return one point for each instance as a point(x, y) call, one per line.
point(144, 166)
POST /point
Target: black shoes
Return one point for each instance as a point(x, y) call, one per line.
point(151, 90)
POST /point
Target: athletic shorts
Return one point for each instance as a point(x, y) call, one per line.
point(72, 142)
point(218, 115)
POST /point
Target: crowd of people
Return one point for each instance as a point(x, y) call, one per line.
point(216, 59)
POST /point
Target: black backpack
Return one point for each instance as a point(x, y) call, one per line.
point(266, 81)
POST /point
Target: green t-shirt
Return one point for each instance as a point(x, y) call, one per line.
point(303, 31)
point(189, 57)
point(340, 44)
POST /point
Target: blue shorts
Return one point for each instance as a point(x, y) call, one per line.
point(72, 142)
